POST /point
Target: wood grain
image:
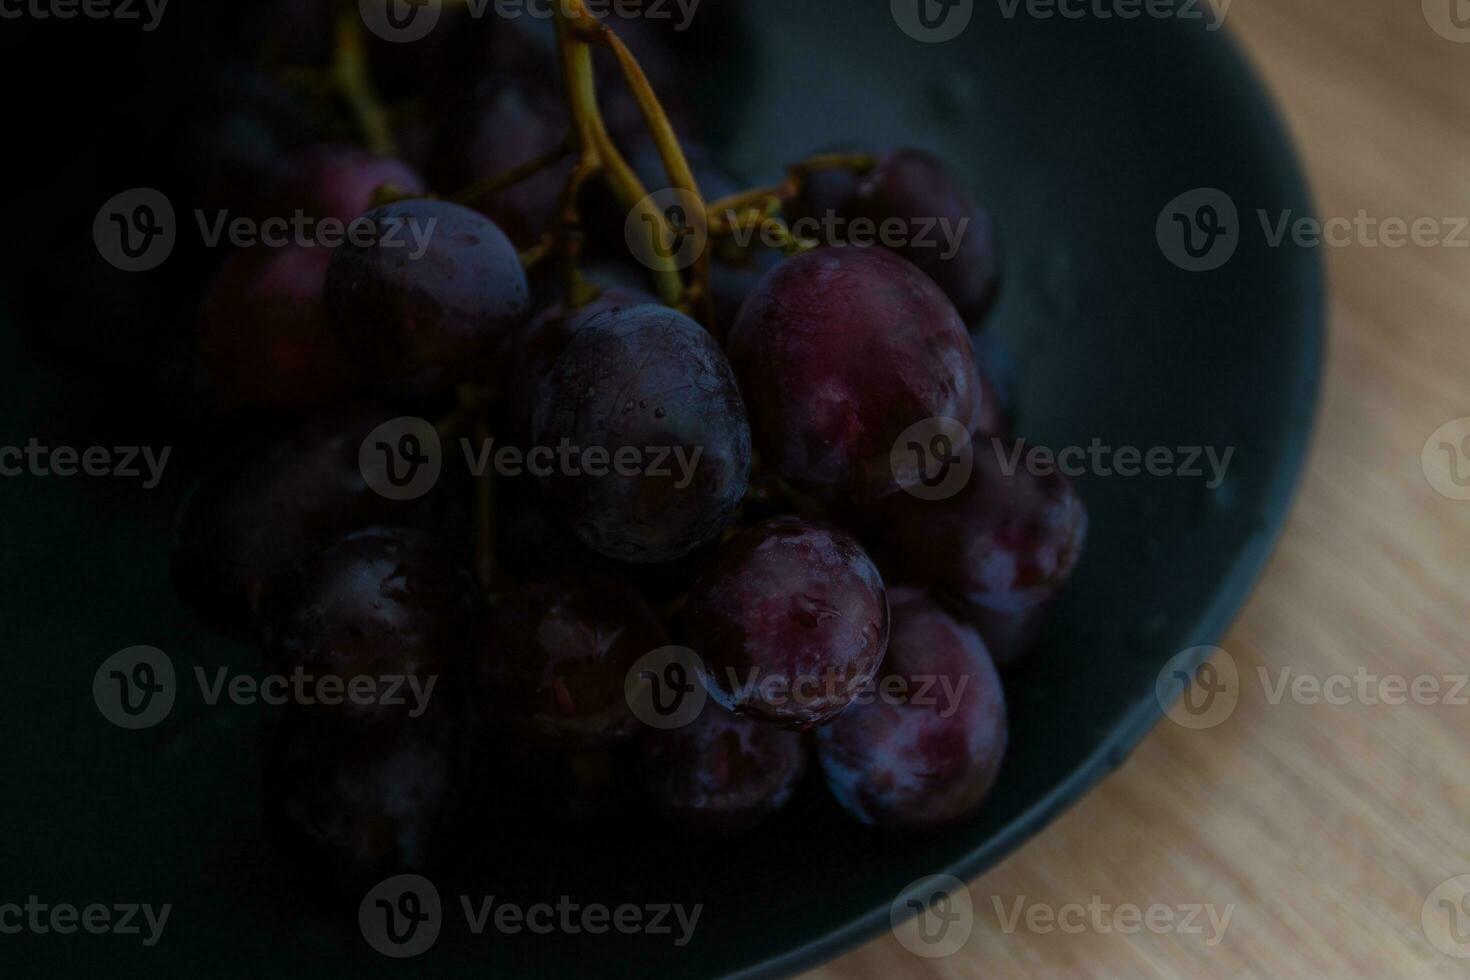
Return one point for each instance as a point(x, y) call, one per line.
point(1327, 827)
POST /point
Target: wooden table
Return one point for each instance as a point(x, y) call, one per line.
point(1327, 827)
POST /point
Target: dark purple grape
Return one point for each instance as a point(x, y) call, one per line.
point(791, 621)
point(534, 349)
point(923, 748)
point(647, 400)
point(557, 654)
point(839, 351)
point(264, 338)
point(532, 543)
point(360, 805)
point(1003, 546)
point(239, 533)
point(331, 180)
point(507, 121)
point(721, 774)
point(916, 187)
point(430, 301)
point(388, 604)
point(823, 195)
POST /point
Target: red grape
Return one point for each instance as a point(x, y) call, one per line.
point(238, 535)
point(839, 351)
point(504, 123)
point(557, 656)
point(721, 774)
point(360, 805)
point(791, 620)
point(380, 603)
point(1003, 546)
point(430, 303)
point(331, 180)
point(917, 188)
point(924, 747)
point(264, 337)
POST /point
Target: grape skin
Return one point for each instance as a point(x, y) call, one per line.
point(924, 755)
point(791, 620)
point(649, 379)
point(839, 351)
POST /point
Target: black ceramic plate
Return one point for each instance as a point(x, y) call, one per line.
point(1077, 133)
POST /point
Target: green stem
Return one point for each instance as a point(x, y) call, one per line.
point(598, 152)
point(350, 70)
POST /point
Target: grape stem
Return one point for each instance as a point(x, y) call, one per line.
point(350, 73)
point(761, 207)
point(783, 193)
point(671, 153)
point(516, 174)
point(576, 28)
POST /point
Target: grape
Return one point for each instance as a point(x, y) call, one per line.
point(1003, 546)
point(823, 193)
point(558, 654)
point(534, 543)
point(721, 774)
point(647, 386)
point(839, 351)
point(533, 350)
point(919, 189)
point(263, 335)
point(362, 805)
point(330, 180)
point(791, 620)
point(239, 532)
point(380, 603)
point(421, 321)
point(505, 122)
point(924, 747)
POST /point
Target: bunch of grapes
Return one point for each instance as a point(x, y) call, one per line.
point(811, 547)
